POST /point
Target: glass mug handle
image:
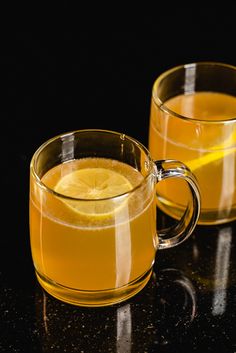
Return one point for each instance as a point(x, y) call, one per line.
point(176, 234)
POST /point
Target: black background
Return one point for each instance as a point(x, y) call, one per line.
point(81, 70)
point(69, 70)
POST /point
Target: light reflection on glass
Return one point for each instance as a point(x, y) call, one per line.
point(68, 148)
point(190, 79)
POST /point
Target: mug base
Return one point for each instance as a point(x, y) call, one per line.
point(93, 298)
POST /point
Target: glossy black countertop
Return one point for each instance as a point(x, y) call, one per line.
point(63, 80)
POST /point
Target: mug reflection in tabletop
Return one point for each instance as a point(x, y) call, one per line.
point(212, 264)
point(158, 316)
point(209, 255)
point(208, 260)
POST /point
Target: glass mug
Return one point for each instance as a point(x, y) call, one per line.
point(193, 119)
point(93, 215)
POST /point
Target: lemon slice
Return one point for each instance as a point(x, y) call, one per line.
point(220, 151)
point(93, 185)
point(208, 158)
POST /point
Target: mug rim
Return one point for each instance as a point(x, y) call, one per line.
point(161, 105)
point(44, 187)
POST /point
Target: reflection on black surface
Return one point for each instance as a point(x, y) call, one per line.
point(210, 263)
point(124, 329)
point(207, 258)
point(174, 279)
point(222, 266)
point(157, 316)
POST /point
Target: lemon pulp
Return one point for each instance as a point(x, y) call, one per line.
point(90, 186)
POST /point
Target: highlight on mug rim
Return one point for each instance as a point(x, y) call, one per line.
point(190, 66)
point(71, 133)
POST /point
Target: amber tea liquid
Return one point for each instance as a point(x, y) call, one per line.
point(92, 248)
